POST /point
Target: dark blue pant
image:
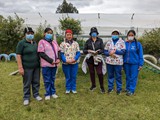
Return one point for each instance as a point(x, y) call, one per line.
point(31, 77)
point(70, 71)
point(117, 70)
point(131, 72)
point(49, 74)
point(98, 68)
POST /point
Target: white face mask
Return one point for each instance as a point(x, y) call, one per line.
point(130, 37)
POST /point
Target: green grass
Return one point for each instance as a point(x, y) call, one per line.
point(85, 105)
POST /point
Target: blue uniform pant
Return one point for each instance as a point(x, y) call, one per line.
point(70, 71)
point(49, 74)
point(117, 71)
point(131, 72)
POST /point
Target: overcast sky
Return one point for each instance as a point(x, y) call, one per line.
point(83, 6)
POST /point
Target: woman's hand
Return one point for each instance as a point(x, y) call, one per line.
point(91, 51)
point(68, 61)
point(20, 67)
point(71, 61)
point(114, 56)
point(57, 61)
point(140, 67)
point(112, 52)
point(21, 71)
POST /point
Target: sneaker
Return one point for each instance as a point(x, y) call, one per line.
point(110, 90)
point(92, 88)
point(47, 98)
point(67, 91)
point(74, 91)
point(126, 91)
point(38, 98)
point(129, 93)
point(118, 92)
point(26, 102)
point(102, 90)
point(55, 96)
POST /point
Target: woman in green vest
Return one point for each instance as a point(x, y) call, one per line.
point(28, 65)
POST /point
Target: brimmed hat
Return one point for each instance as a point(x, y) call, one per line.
point(115, 31)
point(93, 29)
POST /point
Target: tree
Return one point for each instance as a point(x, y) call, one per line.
point(11, 31)
point(70, 23)
point(66, 8)
point(151, 42)
point(39, 34)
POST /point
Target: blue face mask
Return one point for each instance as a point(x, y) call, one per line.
point(29, 37)
point(48, 37)
point(94, 34)
point(115, 37)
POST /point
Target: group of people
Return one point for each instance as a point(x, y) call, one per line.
point(119, 54)
point(47, 54)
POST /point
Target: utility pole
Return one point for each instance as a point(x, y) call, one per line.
point(132, 27)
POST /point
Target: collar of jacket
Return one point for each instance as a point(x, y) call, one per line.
point(92, 40)
point(130, 41)
point(29, 42)
point(69, 41)
point(50, 41)
point(115, 41)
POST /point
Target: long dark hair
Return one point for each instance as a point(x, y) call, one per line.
point(132, 31)
point(48, 29)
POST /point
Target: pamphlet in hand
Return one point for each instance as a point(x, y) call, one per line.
point(94, 52)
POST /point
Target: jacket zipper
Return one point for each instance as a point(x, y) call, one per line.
point(128, 52)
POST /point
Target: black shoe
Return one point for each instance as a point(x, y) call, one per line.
point(110, 90)
point(118, 92)
point(93, 88)
point(103, 90)
point(129, 93)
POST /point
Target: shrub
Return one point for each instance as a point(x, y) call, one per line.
point(151, 42)
point(11, 31)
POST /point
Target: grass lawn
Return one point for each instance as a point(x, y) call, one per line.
point(86, 105)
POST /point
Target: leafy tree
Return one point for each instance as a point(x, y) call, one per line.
point(70, 23)
point(66, 8)
point(151, 42)
point(39, 34)
point(11, 31)
point(60, 39)
point(1, 18)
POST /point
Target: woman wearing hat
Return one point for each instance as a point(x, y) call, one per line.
point(70, 54)
point(133, 62)
point(28, 65)
point(114, 51)
point(94, 46)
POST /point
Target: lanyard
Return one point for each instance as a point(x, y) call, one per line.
point(93, 46)
point(53, 51)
